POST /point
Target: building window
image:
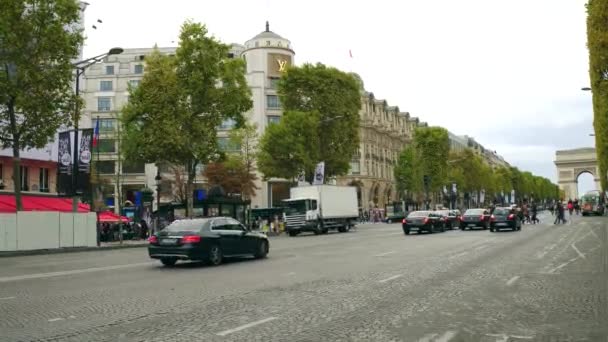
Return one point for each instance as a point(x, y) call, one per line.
point(105, 167)
point(226, 145)
point(24, 178)
point(106, 145)
point(228, 124)
point(272, 119)
point(134, 83)
point(138, 69)
point(44, 180)
point(109, 70)
point(104, 104)
point(355, 167)
point(272, 101)
point(134, 168)
point(105, 85)
point(274, 81)
point(105, 125)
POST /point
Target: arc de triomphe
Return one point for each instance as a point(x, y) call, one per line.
point(571, 164)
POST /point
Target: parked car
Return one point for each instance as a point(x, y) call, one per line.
point(504, 218)
point(210, 239)
point(419, 221)
point(450, 217)
point(473, 218)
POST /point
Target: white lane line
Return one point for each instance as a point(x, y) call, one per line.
point(56, 319)
point(391, 278)
point(512, 280)
point(245, 326)
point(592, 232)
point(71, 272)
point(447, 336)
point(458, 255)
point(563, 265)
point(481, 247)
point(547, 249)
point(7, 298)
point(577, 251)
point(71, 317)
point(385, 254)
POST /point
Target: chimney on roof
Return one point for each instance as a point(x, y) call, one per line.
point(267, 26)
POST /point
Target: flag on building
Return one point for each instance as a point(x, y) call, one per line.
point(96, 133)
point(319, 174)
point(350, 53)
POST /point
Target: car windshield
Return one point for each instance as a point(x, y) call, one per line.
point(295, 207)
point(187, 225)
point(419, 214)
point(474, 212)
point(502, 211)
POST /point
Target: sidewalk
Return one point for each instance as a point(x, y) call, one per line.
point(104, 246)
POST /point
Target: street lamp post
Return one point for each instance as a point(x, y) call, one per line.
point(80, 68)
point(158, 181)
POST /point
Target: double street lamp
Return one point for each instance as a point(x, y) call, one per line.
point(80, 68)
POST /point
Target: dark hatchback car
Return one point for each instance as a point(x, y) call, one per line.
point(451, 218)
point(419, 221)
point(504, 218)
point(473, 218)
point(208, 239)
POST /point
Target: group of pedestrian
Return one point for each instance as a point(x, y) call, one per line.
point(109, 232)
point(270, 225)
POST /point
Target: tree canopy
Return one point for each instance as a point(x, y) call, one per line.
point(332, 99)
point(173, 115)
point(38, 41)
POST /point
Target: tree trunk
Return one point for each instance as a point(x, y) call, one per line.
point(16, 155)
point(191, 170)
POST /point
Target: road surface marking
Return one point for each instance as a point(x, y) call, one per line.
point(71, 317)
point(447, 336)
point(7, 298)
point(505, 337)
point(481, 247)
point(71, 272)
point(385, 254)
point(458, 255)
point(512, 280)
point(562, 265)
point(291, 274)
point(55, 319)
point(577, 251)
point(592, 232)
point(246, 326)
point(547, 249)
point(427, 338)
point(391, 278)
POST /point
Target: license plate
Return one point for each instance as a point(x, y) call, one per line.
point(471, 225)
point(168, 241)
point(501, 224)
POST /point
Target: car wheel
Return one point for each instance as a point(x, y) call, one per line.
point(293, 233)
point(389, 221)
point(406, 231)
point(168, 261)
point(215, 255)
point(262, 250)
point(343, 229)
point(442, 228)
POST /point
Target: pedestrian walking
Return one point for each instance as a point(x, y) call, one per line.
point(535, 219)
point(560, 211)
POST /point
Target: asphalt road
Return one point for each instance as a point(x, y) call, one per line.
point(544, 283)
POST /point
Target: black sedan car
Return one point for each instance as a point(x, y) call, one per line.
point(504, 218)
point(209, 239)
point(419, 221)
point(475, 218)
point(451, 218)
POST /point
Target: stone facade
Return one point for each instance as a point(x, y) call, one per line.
point(571, 164)
point(383, 133)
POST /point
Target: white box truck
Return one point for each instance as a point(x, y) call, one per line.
point(318, 208)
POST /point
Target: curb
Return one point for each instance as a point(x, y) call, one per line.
point(66, 250)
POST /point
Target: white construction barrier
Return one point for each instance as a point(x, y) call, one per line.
point(29, 230)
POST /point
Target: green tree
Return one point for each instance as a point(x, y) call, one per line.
point(407, 172)
point(432, 146)
point(336, 97)
point(290, 146)
point(247, 138)
point(597, 42)
point(174, 113)
point(36, 73)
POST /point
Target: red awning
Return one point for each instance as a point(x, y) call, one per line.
point(108, 216)
point(39, 203)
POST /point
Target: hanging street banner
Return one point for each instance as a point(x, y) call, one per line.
point(64, 167)
point(319, 174)
point(84, 160)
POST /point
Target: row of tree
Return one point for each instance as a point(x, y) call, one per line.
point(427, 165)
point(597, 42)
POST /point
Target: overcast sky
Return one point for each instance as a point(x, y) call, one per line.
point(508, 73)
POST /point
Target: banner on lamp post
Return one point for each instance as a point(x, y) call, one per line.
point(64, 167)
point(84, 161)
point(319, 174)
point(482, 196)
point(512, 196)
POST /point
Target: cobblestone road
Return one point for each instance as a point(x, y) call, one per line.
point(544, 283)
